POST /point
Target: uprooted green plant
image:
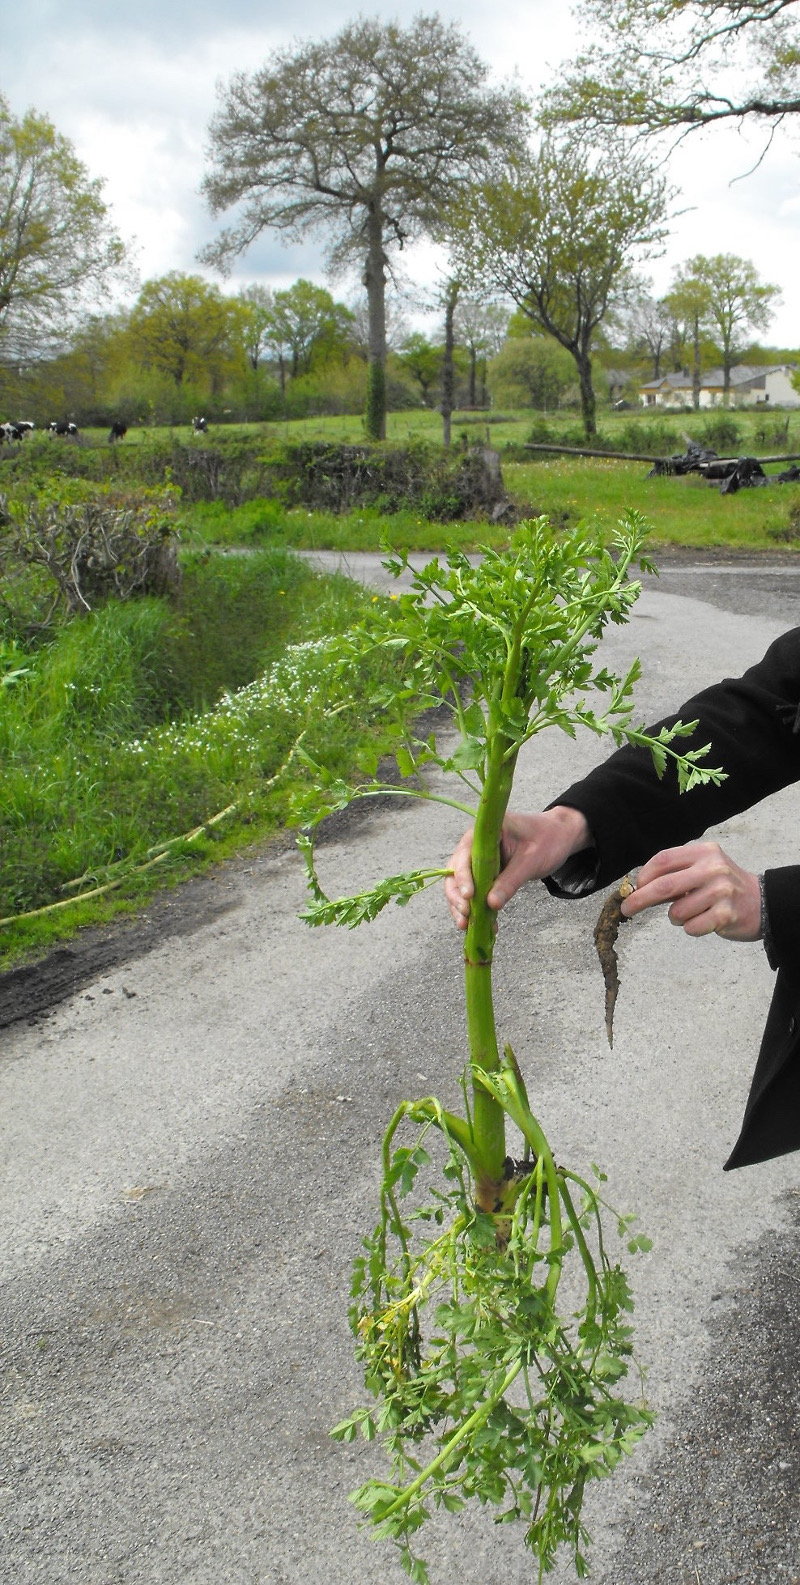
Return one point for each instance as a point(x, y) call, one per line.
point(489, 1384)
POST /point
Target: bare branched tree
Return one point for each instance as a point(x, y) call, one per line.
point(364, 138)
point(676, 65)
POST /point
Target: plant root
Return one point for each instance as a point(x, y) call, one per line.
point(605, 934)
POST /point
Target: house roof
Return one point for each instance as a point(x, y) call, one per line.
point(744, 376)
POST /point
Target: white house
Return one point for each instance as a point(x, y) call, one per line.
point(751, 386)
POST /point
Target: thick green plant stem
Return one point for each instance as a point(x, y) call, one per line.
point(487, 1118)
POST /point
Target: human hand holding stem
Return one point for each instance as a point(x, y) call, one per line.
point(531, 846)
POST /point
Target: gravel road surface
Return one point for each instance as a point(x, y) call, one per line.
point(190, 1113)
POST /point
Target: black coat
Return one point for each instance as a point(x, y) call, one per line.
point(753, 725)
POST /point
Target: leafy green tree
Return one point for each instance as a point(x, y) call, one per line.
point(648, 324)
point(682, 64)
point(480, 327)
point(688, 302)
point(736, 302)
point(530, 371)
point(90, 369)
point(365, 138)
point(423, 359)
point(257, 317)
point(183, 327)
point(558, 234)
point(58, 248)
point(308, 323)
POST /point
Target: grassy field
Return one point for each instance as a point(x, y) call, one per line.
point(684, 512)
point(504, 428)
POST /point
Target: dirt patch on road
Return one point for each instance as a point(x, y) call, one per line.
point(30, 991)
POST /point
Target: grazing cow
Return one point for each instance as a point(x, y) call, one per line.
point(25, 425)
point(118, 431)
point(199, 425)
point(10, 432)
point(63, 426)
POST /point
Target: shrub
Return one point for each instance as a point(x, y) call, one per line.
point(337, 478)
point(655, 437)
point(109, 546)
point(721, 433)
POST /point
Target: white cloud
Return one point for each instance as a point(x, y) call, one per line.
point(134, 90)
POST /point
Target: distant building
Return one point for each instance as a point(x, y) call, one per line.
point(751, 386)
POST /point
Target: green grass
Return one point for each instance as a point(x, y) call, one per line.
point(267, 522)
point(123, 732)
point(683, 511)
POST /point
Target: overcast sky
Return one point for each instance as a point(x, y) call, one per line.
point(134, 86)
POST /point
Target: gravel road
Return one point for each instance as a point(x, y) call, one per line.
point(190, 1112)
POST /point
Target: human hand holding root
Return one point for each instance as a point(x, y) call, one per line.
point(707, 892)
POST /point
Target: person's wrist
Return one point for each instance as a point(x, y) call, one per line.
point(575, 827)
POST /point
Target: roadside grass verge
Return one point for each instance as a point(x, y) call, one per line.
point(268, 522)
point(139, 723)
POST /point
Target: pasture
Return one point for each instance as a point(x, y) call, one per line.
point(684, 512)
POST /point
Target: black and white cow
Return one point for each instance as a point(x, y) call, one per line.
point(199, 425)
point(63, 426)
point(14, 431)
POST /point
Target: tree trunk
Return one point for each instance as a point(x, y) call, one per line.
point(726, 377)
point(375, 283)
point(588, 402)
point(473, 367)
point(696, 365)
point(448, 374)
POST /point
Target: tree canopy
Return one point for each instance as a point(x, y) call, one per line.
point(364, 138)
point(682, 64)
point(58, 248)
point(724, 295)
point(182, 326)
point(558, 234)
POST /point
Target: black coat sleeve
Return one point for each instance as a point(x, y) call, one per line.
point(753, 726)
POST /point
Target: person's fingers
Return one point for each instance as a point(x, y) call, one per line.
point(461, 863)
point(515, 873)
point(707, 892)
point(459, 887)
